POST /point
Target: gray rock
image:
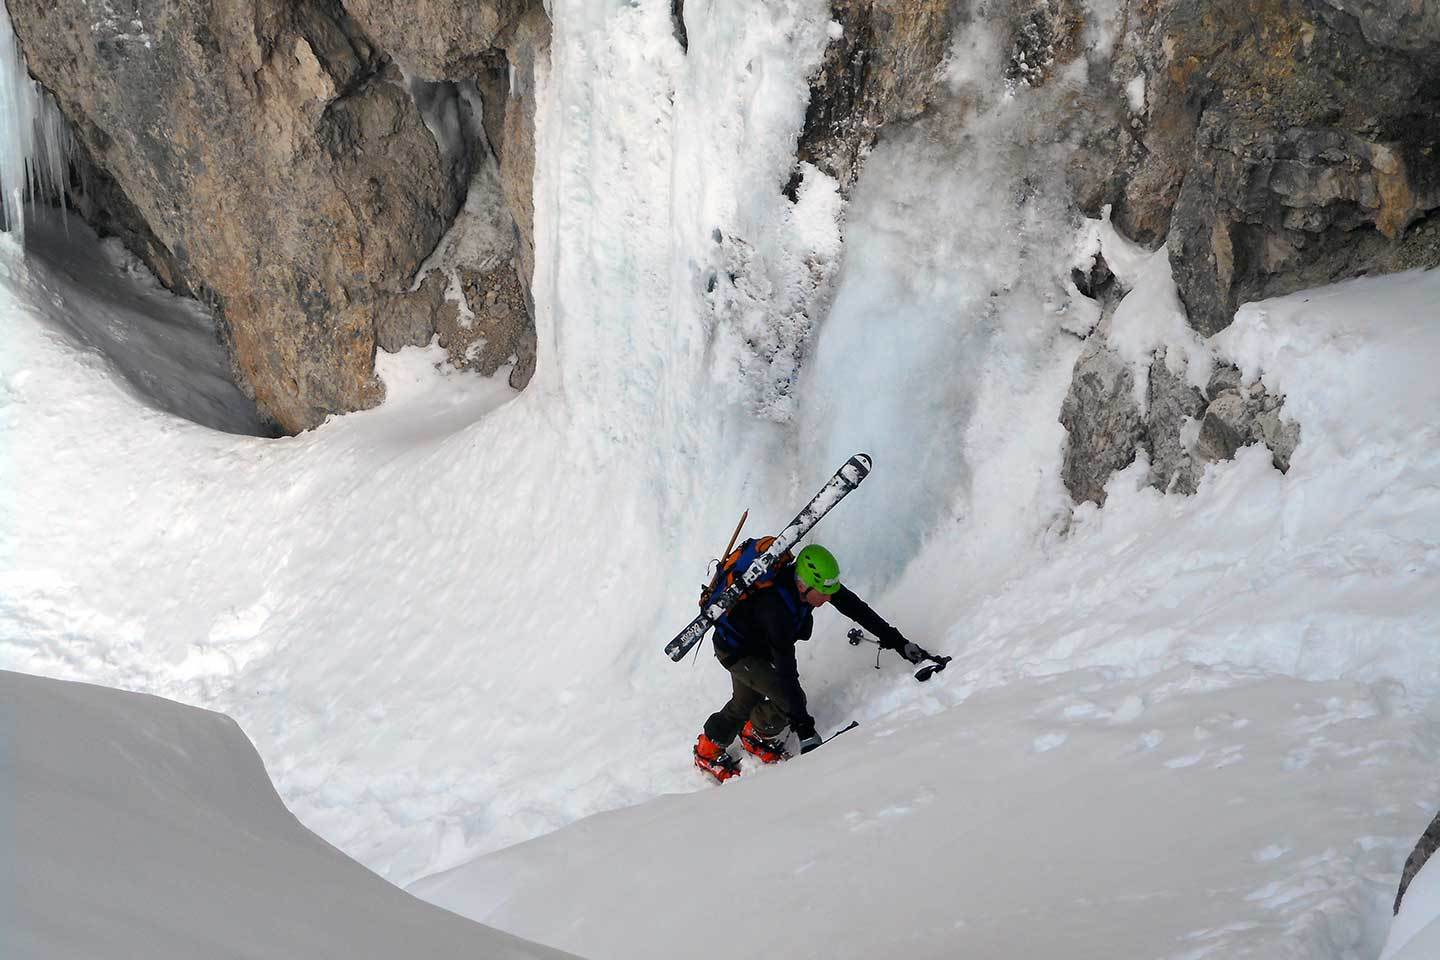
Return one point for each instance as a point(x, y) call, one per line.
point(1225, 377)
point(1106, 428)
point(1227, 426)
point(1410, 25)
point(1171, 403)
point(677, 21)
point(1282, 144)
point(410, 319)
point(1424, 847)
point(442, 39)
point(497, 331)
point(1280, 435)
point(276, 156)
point(882, 69)
point(1103, 421)
point(1239, 416)
point(1263, 212)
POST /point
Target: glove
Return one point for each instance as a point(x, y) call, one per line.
point(913, 653)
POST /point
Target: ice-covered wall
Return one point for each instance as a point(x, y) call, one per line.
point(34, 139)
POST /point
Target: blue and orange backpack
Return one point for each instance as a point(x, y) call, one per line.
point(731, 569)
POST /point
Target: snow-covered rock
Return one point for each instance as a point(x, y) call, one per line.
point(1103, 422)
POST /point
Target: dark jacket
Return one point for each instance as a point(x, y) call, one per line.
point(769, 622)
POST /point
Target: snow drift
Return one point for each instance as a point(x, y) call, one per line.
point(138, 827)
point(1075, 817)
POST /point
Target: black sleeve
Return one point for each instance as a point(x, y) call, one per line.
point(857, 610)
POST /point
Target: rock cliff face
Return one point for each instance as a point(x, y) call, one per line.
point(1282, 144)
point(1271, 146)
point(495, 46)
point(1424, 849)
point(297, 163)
point(881, 68)
point(276, 159)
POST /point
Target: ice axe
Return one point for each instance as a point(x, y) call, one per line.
point(705, 591)
point(856, 636)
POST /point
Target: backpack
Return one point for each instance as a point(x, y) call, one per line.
point(733, 567)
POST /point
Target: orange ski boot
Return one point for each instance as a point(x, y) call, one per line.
point(765, 749)
point(715, 759)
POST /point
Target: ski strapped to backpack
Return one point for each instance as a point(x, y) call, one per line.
point(847, 478)
point(734, 565)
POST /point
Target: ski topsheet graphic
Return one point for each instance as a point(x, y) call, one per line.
point(847, 478)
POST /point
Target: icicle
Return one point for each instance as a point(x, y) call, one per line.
point(35, 140)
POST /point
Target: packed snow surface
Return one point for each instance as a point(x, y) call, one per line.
point(1077, 816)
point(1415, 934)
point(138, 827)
point(441, 620)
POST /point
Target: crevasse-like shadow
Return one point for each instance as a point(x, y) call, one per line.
point(163, 346)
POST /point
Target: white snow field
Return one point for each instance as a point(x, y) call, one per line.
point(138, 827)
point(1415, 934)
point(1175, 727)
point(1076, 816)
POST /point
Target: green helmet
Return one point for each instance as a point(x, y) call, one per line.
point(818, 569)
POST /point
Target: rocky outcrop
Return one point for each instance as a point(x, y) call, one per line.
point(1266, 212)
point(880, 67)
point(277, 155)
point(1239, 415)
point(442, 39)
point(1428, 843)
point(1281, 144)
point(493, 46)
point(1170, 403)
point(1272, 146)
point(1103, 420)
point(1180, 428)
point(278, 161)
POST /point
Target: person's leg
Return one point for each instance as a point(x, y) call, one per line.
point(768, 720)
point(771, 713)
point(724, 724)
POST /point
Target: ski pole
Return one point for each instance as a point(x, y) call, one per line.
point(856, 636)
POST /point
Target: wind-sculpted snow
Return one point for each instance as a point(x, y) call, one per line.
point(1070, 817)
point(136, 827)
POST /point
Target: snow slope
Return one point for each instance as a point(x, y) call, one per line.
point(138, 827)
point(1415, 934)
point(441, 620)
point(1075, 816)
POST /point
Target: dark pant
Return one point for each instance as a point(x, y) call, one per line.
point(759, 695)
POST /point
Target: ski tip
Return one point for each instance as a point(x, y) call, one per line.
point(862, 460)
